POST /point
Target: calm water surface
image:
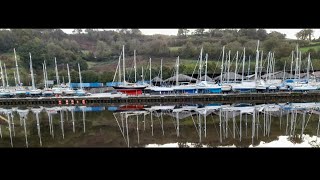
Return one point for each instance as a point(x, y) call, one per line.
point(185, 125)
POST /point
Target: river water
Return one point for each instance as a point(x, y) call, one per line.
point(183, 125)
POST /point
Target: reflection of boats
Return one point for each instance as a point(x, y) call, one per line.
point(126, 108)
point(88, 109)
point(160, 108)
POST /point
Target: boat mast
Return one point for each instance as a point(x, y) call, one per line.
point(15, 57)
point(200, 64)
point(297, 64)
point(228, 66)
point(135, 66)
point(292, 54)
point(150, 71)
point(257, 63)
point(2, 77)
point(31, 71)
point(124, 67)
point(69, 78)
point(308, 68)
point(243, 61)
point(57, 74)
point(260, 65)
point(80, 76)
point(206, 70)
point(161, 69)
point(44, 76)
point(284, 70)
point(177, 72)
point(235, 71)
point(15, 78)
point(222, 64)
point(5, 73)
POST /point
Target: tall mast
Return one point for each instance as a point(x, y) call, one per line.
point(135, 66)
point(260, 65)
point(206, 70)
point(124, 66)
point(228, 67)
point(257, 62)
point(249, 65)
point(222, 64)
point(15, 57)
point(45, 67)
point(5, 73)
point(200, 64)
point(44, 76)
point(31, 71)
point(161, 69)
point(292, 54)
point(177, 72)
point(284, 70)
point(150, 71)
point(268, 72)
point(15, 78)
point(297, 62)
point(235, 71)
point(80, 76)
point(57, 74)
point(142, 75)
point(308, 68)
point(120, 66)
point(2, 77)
point(69, 78)
point(243, 61)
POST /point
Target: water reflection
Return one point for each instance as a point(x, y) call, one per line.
point(185, 125)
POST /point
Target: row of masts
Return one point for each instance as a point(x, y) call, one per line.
point(33, 89)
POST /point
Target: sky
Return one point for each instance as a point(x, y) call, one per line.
point(289, 32)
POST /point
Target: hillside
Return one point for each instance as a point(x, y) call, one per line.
point(98, 51)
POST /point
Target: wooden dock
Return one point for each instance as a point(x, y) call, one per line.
point(279, 97)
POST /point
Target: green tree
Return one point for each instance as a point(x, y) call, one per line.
point(199, 32)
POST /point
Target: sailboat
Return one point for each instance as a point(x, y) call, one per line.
point(157, 89)
point(69, 90)
point(80, 92)
point(58, 89)
point(4, 92)
point(20, 91)
point(46, 91)
point(126, 85)
point(206, 86)
point(33, 91)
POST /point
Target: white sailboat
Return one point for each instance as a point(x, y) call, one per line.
point(4, 92)
point(46, 91)
point(33, 90)
point(69, 91)
point(20, 91)
point(58, 89)
point(80, 92)
point(158, 89)
point(126, 85)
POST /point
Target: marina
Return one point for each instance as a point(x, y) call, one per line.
point(180, 125)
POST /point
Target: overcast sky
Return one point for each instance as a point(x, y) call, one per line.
point(289, 32)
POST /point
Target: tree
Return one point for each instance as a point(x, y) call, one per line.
point(180, 33)
point(305, 34)
point(199, 32)
point(77, 31)
point(136, 32)
point(183, 32)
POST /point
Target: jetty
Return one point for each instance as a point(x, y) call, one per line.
point(278, 97)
